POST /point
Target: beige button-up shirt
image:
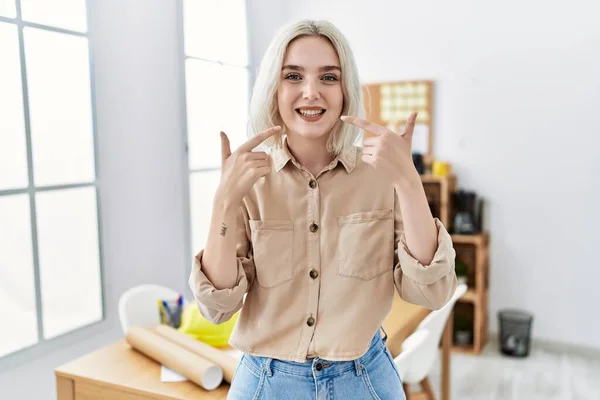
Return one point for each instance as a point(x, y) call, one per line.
point(318, 260)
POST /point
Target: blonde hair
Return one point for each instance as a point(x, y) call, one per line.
point(264, 111)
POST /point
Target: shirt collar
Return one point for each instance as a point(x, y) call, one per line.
point(282, 155)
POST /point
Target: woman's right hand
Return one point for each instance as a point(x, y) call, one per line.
point(241, 169)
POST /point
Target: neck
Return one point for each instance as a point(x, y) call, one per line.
point(312, 154)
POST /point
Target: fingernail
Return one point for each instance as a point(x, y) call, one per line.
point(344, 117)
point(277, 128)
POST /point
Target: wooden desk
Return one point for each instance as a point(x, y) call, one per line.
point(118, 372)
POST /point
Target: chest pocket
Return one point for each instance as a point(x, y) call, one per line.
point(366, 244)
point(273, 246)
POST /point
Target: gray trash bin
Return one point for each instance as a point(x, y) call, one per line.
point(515, 332)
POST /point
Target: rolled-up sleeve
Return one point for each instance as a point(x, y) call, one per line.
point(219, 305)
point(432, 285)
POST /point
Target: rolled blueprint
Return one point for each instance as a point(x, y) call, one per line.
point(195, 368)
point(227, 362)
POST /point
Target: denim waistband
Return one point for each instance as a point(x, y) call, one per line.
point(318, 366)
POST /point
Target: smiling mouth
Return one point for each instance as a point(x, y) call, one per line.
point(311, 114)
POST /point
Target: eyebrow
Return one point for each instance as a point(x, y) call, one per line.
point(322, 69)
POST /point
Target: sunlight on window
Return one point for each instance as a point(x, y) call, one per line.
point(217, 100)
point(8, 9)
point(216, 30)
point(202, 190)
point(65, 14)
point(69, 259)
point(217, 94)
point(62, 226)
point(60, 107)
point(13, 156)
point(17, 291)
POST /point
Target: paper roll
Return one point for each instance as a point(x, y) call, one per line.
point(227, 363)
point(193, 367)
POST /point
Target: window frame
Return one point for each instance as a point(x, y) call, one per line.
point(190, 248)
point(45, 346)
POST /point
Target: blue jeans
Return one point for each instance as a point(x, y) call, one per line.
point(372, 376)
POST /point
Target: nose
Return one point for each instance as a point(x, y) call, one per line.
point(310, 91)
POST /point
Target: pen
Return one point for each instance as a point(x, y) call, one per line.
point(168, 311)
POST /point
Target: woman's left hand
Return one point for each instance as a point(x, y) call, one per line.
point(389, 152)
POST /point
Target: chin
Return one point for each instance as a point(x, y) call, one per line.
point(312, 133)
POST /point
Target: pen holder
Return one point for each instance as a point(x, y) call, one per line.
point(170, 312)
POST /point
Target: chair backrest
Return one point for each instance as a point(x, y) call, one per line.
point(424, 357)
point(410, 346)
point(138, 306)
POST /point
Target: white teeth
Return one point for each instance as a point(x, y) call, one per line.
point(311, 113)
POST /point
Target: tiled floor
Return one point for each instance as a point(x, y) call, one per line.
point(544, 375)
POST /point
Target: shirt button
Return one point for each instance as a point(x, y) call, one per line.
point(314, 274)
point(310, 321)
point(312, 184)
point(319, 366)
point(313, 227)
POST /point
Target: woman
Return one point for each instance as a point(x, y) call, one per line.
point(310, 239)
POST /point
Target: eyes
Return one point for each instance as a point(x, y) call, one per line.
point(295, 77)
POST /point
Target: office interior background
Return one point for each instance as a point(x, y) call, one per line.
point(517, 92)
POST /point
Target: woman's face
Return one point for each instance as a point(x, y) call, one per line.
point(310, 94)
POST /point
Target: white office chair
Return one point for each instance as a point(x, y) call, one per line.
point(138, 307)
point(424, 356)
point(410, 346)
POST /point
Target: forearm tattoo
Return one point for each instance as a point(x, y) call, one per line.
point(223, 229)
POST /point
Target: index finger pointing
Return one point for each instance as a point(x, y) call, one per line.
point(364, 124)
point(258, 139)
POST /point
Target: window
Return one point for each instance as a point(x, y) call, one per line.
point(216, 87)
point(50, 269)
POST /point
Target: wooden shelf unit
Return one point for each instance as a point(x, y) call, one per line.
point(439, 195)
point(473, 250)
point(470, 296)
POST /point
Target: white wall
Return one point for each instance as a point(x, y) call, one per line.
point(517, 99)
point(264, 18)
point(141, 153)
